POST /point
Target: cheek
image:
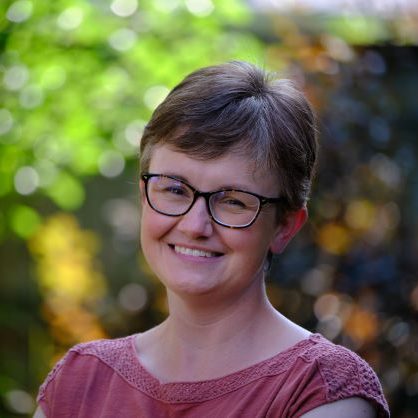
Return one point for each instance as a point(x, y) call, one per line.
point(153, 225)
point(249, 244)
point(152, 231)
point(257, 241)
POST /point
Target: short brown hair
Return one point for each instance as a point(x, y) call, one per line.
point(239, 107)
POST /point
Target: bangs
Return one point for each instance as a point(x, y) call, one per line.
point(239, 127)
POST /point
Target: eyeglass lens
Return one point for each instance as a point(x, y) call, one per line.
point(230, 207)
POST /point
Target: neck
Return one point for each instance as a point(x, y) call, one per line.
point(200, 341)
point(198, 325)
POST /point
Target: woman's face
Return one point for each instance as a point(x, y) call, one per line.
point(191, 254)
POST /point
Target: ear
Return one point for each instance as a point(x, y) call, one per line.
point(288, 229)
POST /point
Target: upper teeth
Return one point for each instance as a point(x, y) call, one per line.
point(193, 252)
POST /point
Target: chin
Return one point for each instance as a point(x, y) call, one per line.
point(191, 287)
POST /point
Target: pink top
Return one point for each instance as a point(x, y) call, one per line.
point(105, 379)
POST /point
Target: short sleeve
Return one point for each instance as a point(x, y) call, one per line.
point(325, 373)
point(47, 389)
point(65, 389)
point(346, 375)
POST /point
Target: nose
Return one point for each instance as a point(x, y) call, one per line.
point(196, 223)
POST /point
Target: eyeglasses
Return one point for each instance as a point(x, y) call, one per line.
point(230, 208)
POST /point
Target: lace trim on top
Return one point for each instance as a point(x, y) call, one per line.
point(120, 355)
point(344, 373)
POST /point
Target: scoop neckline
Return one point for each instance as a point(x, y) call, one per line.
point(313, 337)
point(121, 356)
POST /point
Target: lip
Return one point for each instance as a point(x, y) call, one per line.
point(195, 252)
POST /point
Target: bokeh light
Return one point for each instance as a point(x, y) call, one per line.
point(26, 180)
point(19, 11)
point(122, 39)
point(124, 8)
point(20, 401)
point(133, 297)
point(200, 7)
point(111, 163)
point(154, 96)
point(6, 122)
point(15, 77)
point(70, 18)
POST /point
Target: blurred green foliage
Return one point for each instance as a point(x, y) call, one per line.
point(91, 74)
point(78, 81)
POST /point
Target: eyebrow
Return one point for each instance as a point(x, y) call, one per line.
point(224, 187)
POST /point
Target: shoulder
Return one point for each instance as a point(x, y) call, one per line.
point(344, 374)
point(82, 362)
point(343, 371)
point(109, 350)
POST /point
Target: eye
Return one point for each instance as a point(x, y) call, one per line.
point(229, 201)
point(175, 189)
point(234, 201)
point(171, 188)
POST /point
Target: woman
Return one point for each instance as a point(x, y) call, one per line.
point(227, 162)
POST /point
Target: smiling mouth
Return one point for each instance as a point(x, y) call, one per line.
point(194, 252)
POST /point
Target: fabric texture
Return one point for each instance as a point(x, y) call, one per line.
point(106, 379)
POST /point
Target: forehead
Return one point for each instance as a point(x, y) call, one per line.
point(232, 169)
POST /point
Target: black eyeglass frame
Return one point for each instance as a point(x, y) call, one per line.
point(207, 195)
